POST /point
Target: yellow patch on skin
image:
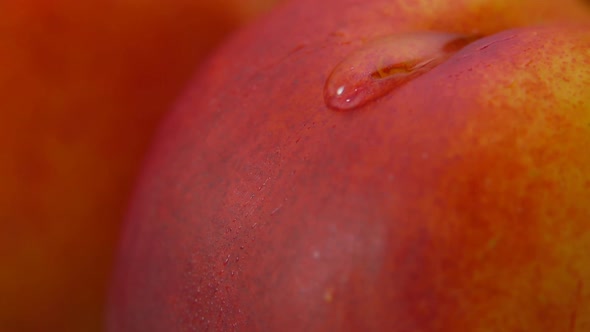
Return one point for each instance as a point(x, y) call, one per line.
point(522, 179)
point(473, 16)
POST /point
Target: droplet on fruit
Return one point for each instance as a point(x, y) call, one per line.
point(384, 64)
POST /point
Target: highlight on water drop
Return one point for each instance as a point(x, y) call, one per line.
point(384, 64)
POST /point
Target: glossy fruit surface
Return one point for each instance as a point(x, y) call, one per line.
point(456, 201)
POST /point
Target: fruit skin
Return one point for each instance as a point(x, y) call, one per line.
point(83, 84)
point(459, 202)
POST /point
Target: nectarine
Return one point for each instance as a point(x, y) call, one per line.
point(456, 199)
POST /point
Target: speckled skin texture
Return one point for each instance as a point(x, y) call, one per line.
point(458, 202)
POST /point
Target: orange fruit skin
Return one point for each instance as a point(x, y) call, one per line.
point(83, 85)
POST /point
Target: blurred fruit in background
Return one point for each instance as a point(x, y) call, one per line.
point(83, 85)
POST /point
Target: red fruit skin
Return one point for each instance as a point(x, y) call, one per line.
point(262, 210)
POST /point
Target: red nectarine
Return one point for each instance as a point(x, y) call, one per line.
point(456, 200)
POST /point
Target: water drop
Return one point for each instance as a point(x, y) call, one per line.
point(384, 64)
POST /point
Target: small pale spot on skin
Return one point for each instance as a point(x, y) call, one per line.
point(329, 295)
point(316, 254)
